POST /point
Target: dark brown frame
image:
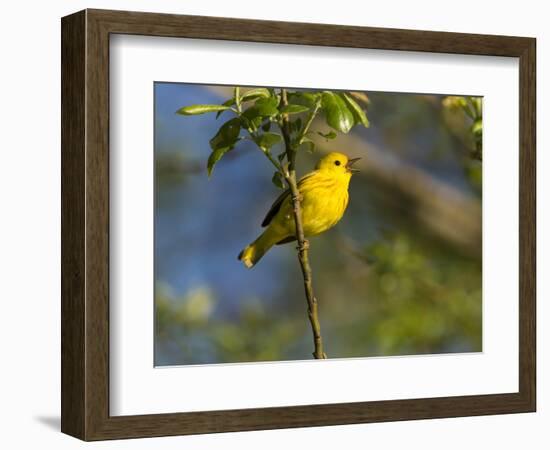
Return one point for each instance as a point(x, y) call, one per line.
point(85, 224)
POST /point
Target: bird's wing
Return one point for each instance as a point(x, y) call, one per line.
point(275, 208)
point(279, 201)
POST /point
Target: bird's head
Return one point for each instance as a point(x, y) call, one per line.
point(337, 163)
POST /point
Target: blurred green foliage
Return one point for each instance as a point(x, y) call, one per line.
point(417, 298)
point(427, 301)
point(187, 324)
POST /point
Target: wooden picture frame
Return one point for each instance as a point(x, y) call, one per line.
point(85, 224)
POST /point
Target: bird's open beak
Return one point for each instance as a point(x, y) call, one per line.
point(350, 164)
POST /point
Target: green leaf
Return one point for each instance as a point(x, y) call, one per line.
point(227, 135)
point(473, 107)
point(215, 156)
point(254, 94)
point(223, 142)
point(468, 108)
point(337, 112)
point(193, 110)
point(267, 107)
point(278, 180)
point(308, 145)
point(477, 102)
point(251, 121)
point(249, 116)
point(358, 113)
point(268, 140)
point(296, 125)
point(477, 127)
point(308, 99)
point(294, 109)
point(264, 107)
point(328, 136)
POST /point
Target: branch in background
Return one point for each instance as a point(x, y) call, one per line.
point(445, 210)
point(303, 244)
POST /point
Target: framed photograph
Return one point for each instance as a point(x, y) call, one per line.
point(271, 225)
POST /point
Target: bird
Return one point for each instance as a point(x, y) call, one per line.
point(324, 199)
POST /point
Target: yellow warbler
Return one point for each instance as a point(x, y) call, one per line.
point(324, 199)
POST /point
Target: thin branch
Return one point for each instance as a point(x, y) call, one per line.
point(237, 96)
point(308, 123)
point(289, 173)
point(303, 244)
point(274, 162)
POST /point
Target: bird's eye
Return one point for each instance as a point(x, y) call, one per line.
point(337, 163)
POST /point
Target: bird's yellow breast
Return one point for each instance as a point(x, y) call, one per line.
point(324, 201)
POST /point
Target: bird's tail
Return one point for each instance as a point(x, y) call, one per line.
point(251, 254)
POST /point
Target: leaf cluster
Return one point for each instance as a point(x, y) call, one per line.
point(473, 109)
point(261, 115)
